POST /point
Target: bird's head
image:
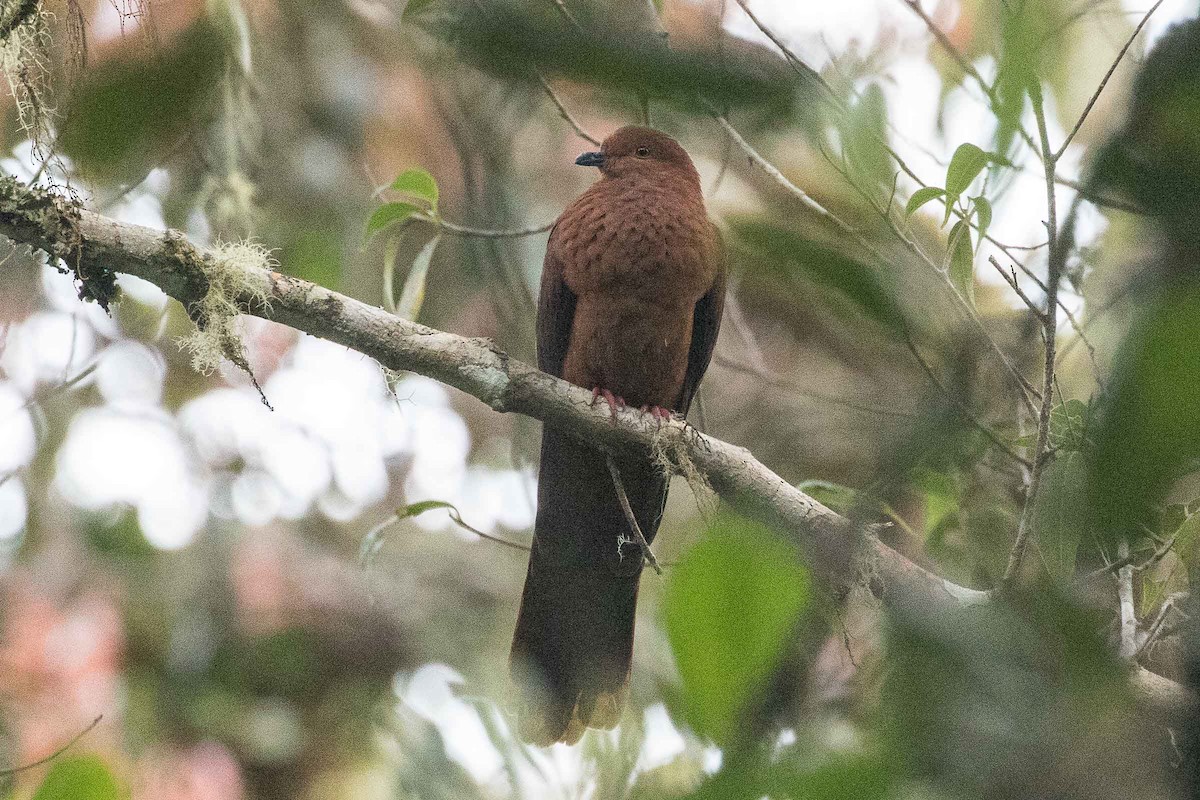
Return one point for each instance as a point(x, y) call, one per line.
point(634, 150)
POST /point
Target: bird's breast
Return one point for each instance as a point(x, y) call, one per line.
point(653, 245)
point(637, 258)
point(635, 348)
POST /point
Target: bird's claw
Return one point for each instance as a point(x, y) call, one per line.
point(659, 413)
point(614, 401)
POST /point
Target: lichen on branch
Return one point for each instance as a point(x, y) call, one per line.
point(230, 289)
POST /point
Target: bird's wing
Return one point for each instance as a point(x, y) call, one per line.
point(706, 323)
point(556, 313)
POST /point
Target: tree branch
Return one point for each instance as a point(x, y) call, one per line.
point(1104, 81)
point(838, 551)
point(630, 517)
point(1127, 648)
point(1059, 243)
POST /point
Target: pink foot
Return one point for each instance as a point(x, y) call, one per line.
point(658, 412)
point(614, 401)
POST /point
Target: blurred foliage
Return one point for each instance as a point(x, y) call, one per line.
point(1150, 430)
point(853, 283)
point(1155, 159)
point(1014, 699)
point(126, 117)
point(80, 778)
point(1057, 525)
point(729, 609)
point(508, 40)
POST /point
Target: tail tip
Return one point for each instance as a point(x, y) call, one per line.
point(545, 723)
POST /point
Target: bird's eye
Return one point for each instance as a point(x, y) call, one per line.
point(643, 152)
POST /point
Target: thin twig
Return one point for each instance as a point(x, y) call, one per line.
point(1157, 626)
point(779, 382)
point(1068, 244)
point(1104, 81)
point(1127, 560)
point(485, 233)
point(639, 537)
point(14, 770)
point(1007, 249)
point(965, 306)
point(1076, 325)
point(562, 110)
point(795, 62)
point(964, 408)
point(458, 520)
point(1058, 245)
point(1109, 303)
point(566, 12)
point(766, 166)
point(966, 66)
point(45, 394)
point(1104, 201)
point(1011, 280)
point(726, 154)
point(805, 70)
point(842, 168)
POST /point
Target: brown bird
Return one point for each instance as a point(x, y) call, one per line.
point(632, 291)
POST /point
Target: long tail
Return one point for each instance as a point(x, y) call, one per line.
point(573, 645)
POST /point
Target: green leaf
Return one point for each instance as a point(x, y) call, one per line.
point(730, 607)
point(127, 114)
point(1025, 28)
point(416, 509)
point(847, 276)
point(921, 197)
point(941, 494)
point(838, 777)
point(1187, 541)
point(373, 541)
point(391, 251)
point(1148, 433)
point(80, 778)
point(414, 7)
point(865, 137)
point(412, 296)
point(968, 161)
point(389, 214)
point(1069, 424)
point(962, 261)
point(983, 215)
point(837, 497)
point(506, 39)
point(417, 183)
point(1059, 515)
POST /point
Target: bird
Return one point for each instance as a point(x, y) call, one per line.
point(632, 290)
